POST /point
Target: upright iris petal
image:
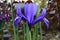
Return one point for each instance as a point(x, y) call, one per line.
point(30, 11)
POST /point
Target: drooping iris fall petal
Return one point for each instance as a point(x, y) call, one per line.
point(20, 14)
point(46, 22)
point(17, 20)
point(43, 14)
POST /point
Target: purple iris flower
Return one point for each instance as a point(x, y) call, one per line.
point(30, 11)
point(1, 15)
point(5, 16)
point(8, 15)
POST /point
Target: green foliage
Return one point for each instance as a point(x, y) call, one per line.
point(2, 22)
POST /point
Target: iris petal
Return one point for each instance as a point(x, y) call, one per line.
point(17, 20)
point(43, 14)
point(18, 11)
point(30, 11)
point(46, 22)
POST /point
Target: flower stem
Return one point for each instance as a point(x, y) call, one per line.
point(38, 13)
point(33, 35)
point(15, 36)
point(36, 26)
point(40, 31)
point(27, 33)
point(24, 31)
point(35, 32)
